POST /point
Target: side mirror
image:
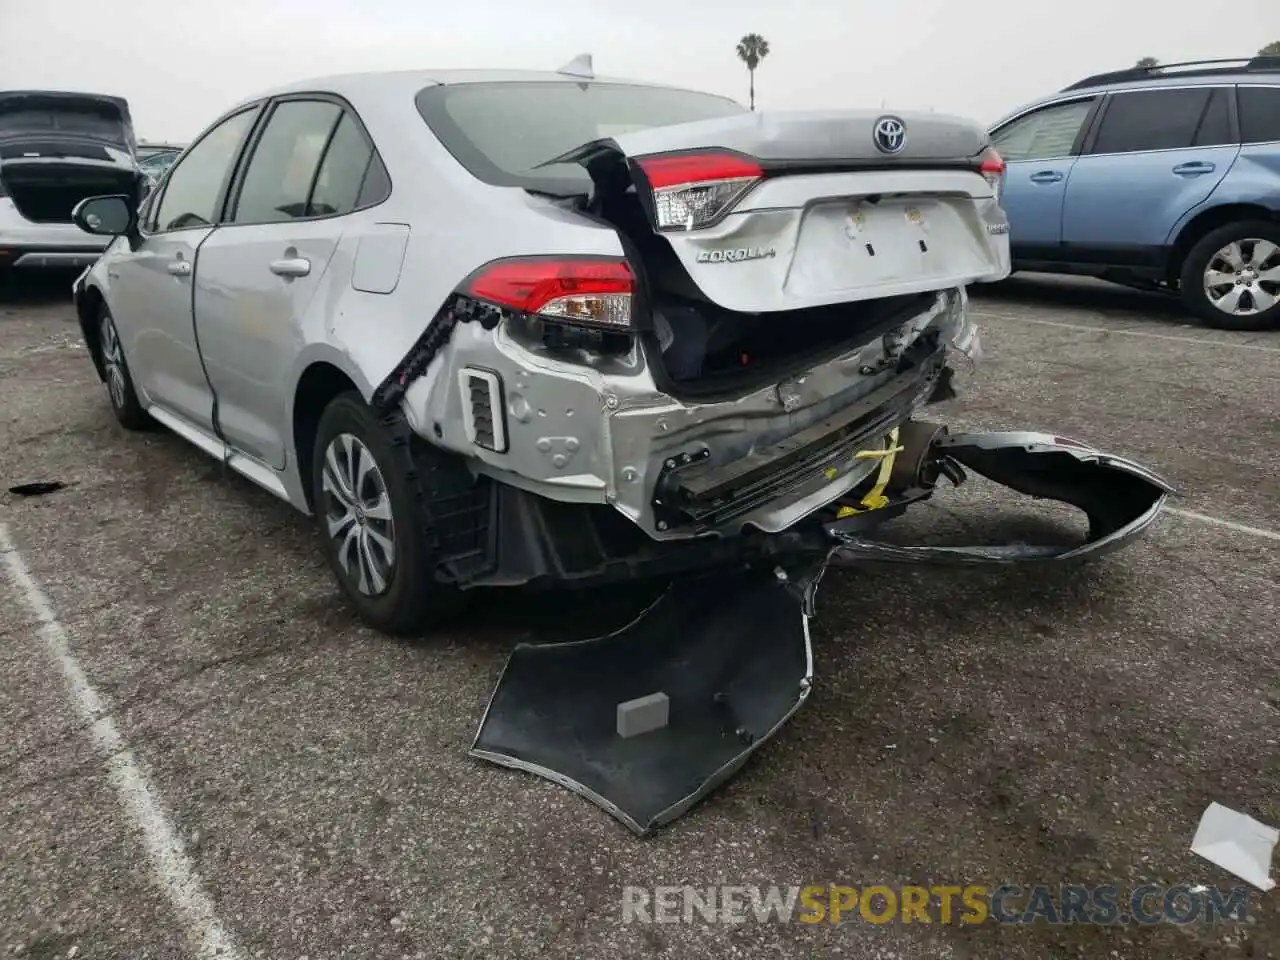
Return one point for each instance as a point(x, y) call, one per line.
point(111, 216)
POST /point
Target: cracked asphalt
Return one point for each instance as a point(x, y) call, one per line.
point(967, 728)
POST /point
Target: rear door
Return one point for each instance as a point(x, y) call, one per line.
point(1038, 149)
point(262, 267)
point(150, 287)
point(1155, 155)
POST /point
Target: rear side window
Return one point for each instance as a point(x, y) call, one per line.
point(1260, 114)
point(283, 165)
point(1043, 135)
point(1151, 120)
point(1215, 124)
point(504, 132)
point(342, 172)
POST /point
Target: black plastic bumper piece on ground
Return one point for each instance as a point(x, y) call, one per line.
point(731, 651)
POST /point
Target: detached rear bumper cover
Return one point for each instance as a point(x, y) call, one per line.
point(732, 651)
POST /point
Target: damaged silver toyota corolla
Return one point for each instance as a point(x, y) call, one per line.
point(499, 329)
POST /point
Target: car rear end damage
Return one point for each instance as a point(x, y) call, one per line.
point(731, 402)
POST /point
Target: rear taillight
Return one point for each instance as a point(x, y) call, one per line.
point(594, 292)
point(696, 189)
point(992, 167)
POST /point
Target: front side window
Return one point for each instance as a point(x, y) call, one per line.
point(1046, 134)
point(277, 181)
point(194, 186)
point(1144, 120)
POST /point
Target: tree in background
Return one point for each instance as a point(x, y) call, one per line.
point(751, 50)
point(1147, 62)
point(1272, 49)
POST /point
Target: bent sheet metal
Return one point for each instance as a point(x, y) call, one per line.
point(730, 650)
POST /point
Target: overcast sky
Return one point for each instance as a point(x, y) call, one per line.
point(181, 62)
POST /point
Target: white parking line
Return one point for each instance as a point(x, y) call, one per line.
point(172, 868)
point(1262, 532)
point(1090, 328)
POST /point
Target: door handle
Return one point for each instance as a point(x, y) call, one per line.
point(1194, 168)
point(1046, 176)
point(180, 268)
point(291, 267)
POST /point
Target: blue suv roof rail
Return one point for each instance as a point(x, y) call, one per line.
point(1199, 68)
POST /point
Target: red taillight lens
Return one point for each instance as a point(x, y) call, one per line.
point(585, 290)
point(992, 167)
point(695, 189)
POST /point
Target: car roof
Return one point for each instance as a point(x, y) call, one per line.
point(407, 83)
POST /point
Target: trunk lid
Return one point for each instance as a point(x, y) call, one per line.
point(56, 148)
point(789, 211)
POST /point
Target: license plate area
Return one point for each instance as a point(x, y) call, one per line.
point(855, 242)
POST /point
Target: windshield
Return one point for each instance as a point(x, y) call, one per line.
point(502, 131)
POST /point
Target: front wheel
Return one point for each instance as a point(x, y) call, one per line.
point(1231, 277)
point(375, 532)
point(124, 399)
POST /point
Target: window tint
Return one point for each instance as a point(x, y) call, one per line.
point(1215, 125)
point(192, 187)
point(1260, 114)
point(342, 171)
point(1151, 120)
point(1043, 135)
point(377, 184)
point(278, 179)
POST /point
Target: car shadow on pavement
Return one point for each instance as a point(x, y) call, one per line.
point(46, 288)
point(1081, 293)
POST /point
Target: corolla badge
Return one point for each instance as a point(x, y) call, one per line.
point(890, 135)
point(737, 255)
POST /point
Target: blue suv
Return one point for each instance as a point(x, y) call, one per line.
point(1163, 177)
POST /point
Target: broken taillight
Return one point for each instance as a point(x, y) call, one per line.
point(992, 168)
point(576, 290)
point(694, 190)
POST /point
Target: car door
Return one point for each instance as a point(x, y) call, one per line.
point(1154, 155)
point(150, 282)
point(1038, 149)
point(260, 270)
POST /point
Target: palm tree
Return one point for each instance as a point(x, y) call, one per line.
point(1147, 62)
point(751, 50)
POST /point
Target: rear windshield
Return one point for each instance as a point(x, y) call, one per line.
point(502, 131)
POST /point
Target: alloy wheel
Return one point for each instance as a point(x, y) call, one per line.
point(358, 514)
point(113, 360)
point(1243, 278)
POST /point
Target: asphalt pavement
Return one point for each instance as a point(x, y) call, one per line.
point(205, 755)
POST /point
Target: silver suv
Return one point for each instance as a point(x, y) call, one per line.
point(498, 328)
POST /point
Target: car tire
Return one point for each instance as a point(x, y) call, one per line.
point(376, 538)
point(1213, 253)
point(115, 371)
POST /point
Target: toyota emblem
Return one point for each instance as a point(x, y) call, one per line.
point(890, 135)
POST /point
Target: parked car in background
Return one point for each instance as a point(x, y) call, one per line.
point(1165, 176)
point(56, 148)
point(155, 164)
point(145, 150)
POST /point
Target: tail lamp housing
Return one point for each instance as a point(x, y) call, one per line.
point(991, 166)
point(694, 190)
point(596, 292)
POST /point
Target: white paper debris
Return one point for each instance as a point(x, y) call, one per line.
point(1237, 843)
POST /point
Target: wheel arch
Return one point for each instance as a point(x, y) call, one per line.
point(88, 305)
point(1206, 221)
point(322, 377)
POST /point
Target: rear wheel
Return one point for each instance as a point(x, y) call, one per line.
point(375, 531)
point(1231, 277)
point(124, 400)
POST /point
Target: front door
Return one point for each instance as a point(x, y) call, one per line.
point(150, 287)
point(1037, 148)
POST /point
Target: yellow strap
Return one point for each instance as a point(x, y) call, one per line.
point(875, 498)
